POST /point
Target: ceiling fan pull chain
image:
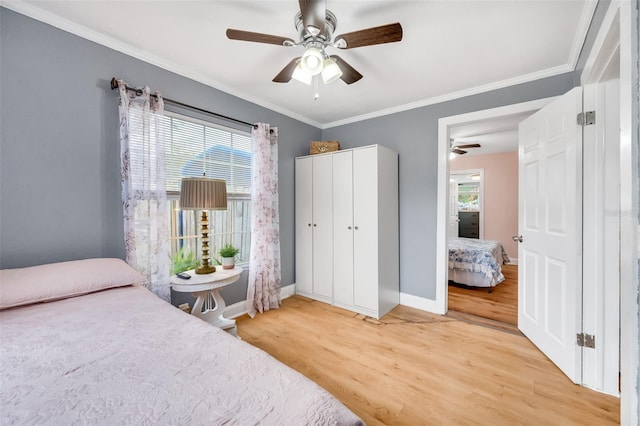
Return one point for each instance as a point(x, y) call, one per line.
point(316, 88)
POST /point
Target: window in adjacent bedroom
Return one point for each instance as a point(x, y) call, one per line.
point(468, 196)
point(192, 147)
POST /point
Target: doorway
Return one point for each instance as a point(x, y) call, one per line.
point(550, 152)
point(484, 204)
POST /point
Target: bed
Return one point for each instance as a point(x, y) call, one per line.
point(105, 351)
point(476, 263)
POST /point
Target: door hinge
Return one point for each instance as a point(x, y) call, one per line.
point(586, 340)
point(586, 118)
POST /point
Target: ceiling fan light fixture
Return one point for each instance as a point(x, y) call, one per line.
point(301, 75)
point(311, 61)
point(452, 155)
point(330, 71)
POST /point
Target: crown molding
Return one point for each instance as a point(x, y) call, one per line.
point(99, 38)
point(38, 14)
point(549, 72)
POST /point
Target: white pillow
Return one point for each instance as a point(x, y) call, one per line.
point(45, 283)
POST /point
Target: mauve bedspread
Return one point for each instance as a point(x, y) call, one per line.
point(122, 356)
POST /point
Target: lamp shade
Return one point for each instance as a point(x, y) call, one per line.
point(311, 61)
point(301, 75)
point(330, 71)
point(203, 193)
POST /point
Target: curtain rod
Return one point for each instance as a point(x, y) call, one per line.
point(114, 85)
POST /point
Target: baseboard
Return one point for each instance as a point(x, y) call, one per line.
point(287, 291)
point(419, 303)
point(513, 261)
point(240, 308)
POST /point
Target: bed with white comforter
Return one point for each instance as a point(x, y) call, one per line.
point(119, 355)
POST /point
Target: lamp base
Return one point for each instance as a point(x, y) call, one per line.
point(205, 269)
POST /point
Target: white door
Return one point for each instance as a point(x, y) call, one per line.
point(322, 226)
point(453, 208)
point(365, 228)
point(549, 216)
point(343, 228)
point(304, 226)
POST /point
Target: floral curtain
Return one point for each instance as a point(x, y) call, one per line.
point(144, 197)
point(263, 292)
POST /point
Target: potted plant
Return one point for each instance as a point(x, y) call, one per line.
point(183, 261)
point(228, 256)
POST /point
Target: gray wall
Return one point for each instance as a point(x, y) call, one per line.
point(59, 147)
point(59, 121)
point(414, 135)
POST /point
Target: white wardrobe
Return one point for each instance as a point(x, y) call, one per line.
point(347, 248)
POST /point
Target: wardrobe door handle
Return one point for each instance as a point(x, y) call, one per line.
point(348, 227)
point(315, 225)
point(355, 227)
point(309, 225)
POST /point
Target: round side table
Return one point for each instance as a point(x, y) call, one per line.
point(209, 305)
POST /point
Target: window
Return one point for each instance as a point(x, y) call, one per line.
point(194, 147)
point(468, 196)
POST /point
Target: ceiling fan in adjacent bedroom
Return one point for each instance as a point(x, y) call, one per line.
point(460, 149)
point(315, 25)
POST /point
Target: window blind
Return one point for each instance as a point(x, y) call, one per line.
point(194, 147)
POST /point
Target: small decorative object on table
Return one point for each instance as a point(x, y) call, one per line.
point(228, 256)
point(320, 147)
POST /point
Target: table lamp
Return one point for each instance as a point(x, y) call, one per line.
point(203, 193)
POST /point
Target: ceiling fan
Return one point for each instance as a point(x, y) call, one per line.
point(315, 25)
point(460, 149)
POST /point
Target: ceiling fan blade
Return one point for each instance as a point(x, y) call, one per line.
point(284, 76)
point(458, 151)
point(349, 74)
point(369, 37)
point(259, 37)
point(314, 13)
point(469, 145)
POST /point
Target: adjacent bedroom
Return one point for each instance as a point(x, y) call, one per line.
point(483, 209)
point(238, 213)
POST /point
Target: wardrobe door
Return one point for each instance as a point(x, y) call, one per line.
point(304, 226)
point(343, 228)
point(322, 226)
point(365, 228)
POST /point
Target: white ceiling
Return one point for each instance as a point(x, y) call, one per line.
point(450, 48)
point(496, 135)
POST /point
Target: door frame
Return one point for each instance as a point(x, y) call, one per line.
point(442, 206)
point(624, 15)
point(619, 30)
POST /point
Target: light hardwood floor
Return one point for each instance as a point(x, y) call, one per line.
point(415, 368)
point(499, 305)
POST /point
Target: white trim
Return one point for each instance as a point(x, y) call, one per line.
point(629, 229)
point(549, 72)
point(604, 42)
point(513, 261)
point(442, 204)
point(240, 308)
point(581, 34)
point(287, 291)
point(621, 18)
point(419, 303)
point(578, 41)
point(36, 13)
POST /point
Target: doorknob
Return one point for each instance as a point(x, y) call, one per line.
point(517, 238)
